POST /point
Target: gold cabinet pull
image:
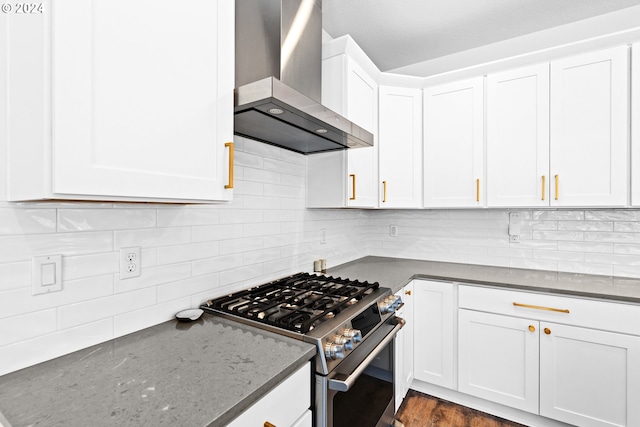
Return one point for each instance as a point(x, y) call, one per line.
point(478, 190)
point(230, 145)
point(538, 307)
point(544, 185)
point(268, 424)
point(532, 328)
point(557, 186)
point(547, 331)
point(384, 191)
point(353, 184)
point(407, 292)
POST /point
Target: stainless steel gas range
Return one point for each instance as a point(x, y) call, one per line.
point(352, 324)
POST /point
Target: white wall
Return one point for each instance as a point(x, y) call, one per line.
point(194, 252)
point(603, 242)
point(190, 253)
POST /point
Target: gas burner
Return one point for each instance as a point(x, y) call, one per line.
point(297, 303)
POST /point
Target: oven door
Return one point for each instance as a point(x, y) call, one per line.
point(360, 391)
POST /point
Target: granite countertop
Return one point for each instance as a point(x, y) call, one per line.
point(203, 373)
point(394, 273)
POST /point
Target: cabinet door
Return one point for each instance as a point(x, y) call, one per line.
point(362, 109)
point(589, 129)
point(588, 377)
point(142, 98)
point(288, 403)
point(400, 148)
point(635, 125)
point(453, 144)
point(404, 345)
point(498, 359)
point(518, 137)
point(434, 333)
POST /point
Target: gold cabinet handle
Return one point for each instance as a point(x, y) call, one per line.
point(557, 186)
point(478, 190)
point(384, 191)
point(532, 328)
point(230, 145)
point(538, 307)
point(544, 185)
point(353, 184)
point(407, 292)
point(547, 331)
point(268, 424)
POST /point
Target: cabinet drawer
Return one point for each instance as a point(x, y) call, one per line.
point(604, 315)
point(295, 391)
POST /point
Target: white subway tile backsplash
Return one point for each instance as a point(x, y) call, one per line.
point(557, 215)
point(152, 237)
point(240, 245)
point(77, 267)
point(188, 252)
point(186, 216)
point(586, 225)
point(15, 275)
point(29, 352)
point(22, 248)
point(613, 215)
point(133, 321)
point(217, 232)
point(105, 219)
point(20, 301)
point(184, 288)
point(216, 264)
point(558, 235)
point(27, 221)
point(627, 227)
point(27, 326)
point(195, 252)
point(78, 314)
point(154, 276)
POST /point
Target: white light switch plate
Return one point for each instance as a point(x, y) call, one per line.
point(46, 274)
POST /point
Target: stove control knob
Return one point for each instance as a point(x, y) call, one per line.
point(333, 351)
point(344, 341)
point(386, 306)
point(354, 334)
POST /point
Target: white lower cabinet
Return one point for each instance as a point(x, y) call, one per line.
point(403, 369)
point(434, 332)
point(568, 359)
point(498, 359)
point(588, 377)
point(287, 405)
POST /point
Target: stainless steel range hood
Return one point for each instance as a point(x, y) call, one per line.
point(279, 76)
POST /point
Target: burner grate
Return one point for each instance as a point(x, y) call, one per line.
point(295, 303)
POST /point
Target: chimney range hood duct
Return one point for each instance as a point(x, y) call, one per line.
point(279, 76)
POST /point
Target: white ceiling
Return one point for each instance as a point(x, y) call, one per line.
point(396, 33)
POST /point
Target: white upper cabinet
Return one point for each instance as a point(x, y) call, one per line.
point(518, 137)
point(400, 147)
point(131, 101)
point(635, 125)
point(589, 129)
point(347, 178)
point(453, 144)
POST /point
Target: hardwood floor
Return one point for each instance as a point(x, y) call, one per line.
point(421, 410)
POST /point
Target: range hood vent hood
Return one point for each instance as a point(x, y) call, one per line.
point(279, 76)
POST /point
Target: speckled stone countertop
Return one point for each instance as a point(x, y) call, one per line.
point(203, 373)
point(394, 273)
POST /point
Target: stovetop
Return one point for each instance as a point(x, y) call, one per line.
point(297, 303)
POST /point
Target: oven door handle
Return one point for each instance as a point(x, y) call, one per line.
point(344, 385)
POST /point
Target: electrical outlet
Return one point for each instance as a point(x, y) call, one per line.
point(130, 262)
point(393, 230)
point(323, 237)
